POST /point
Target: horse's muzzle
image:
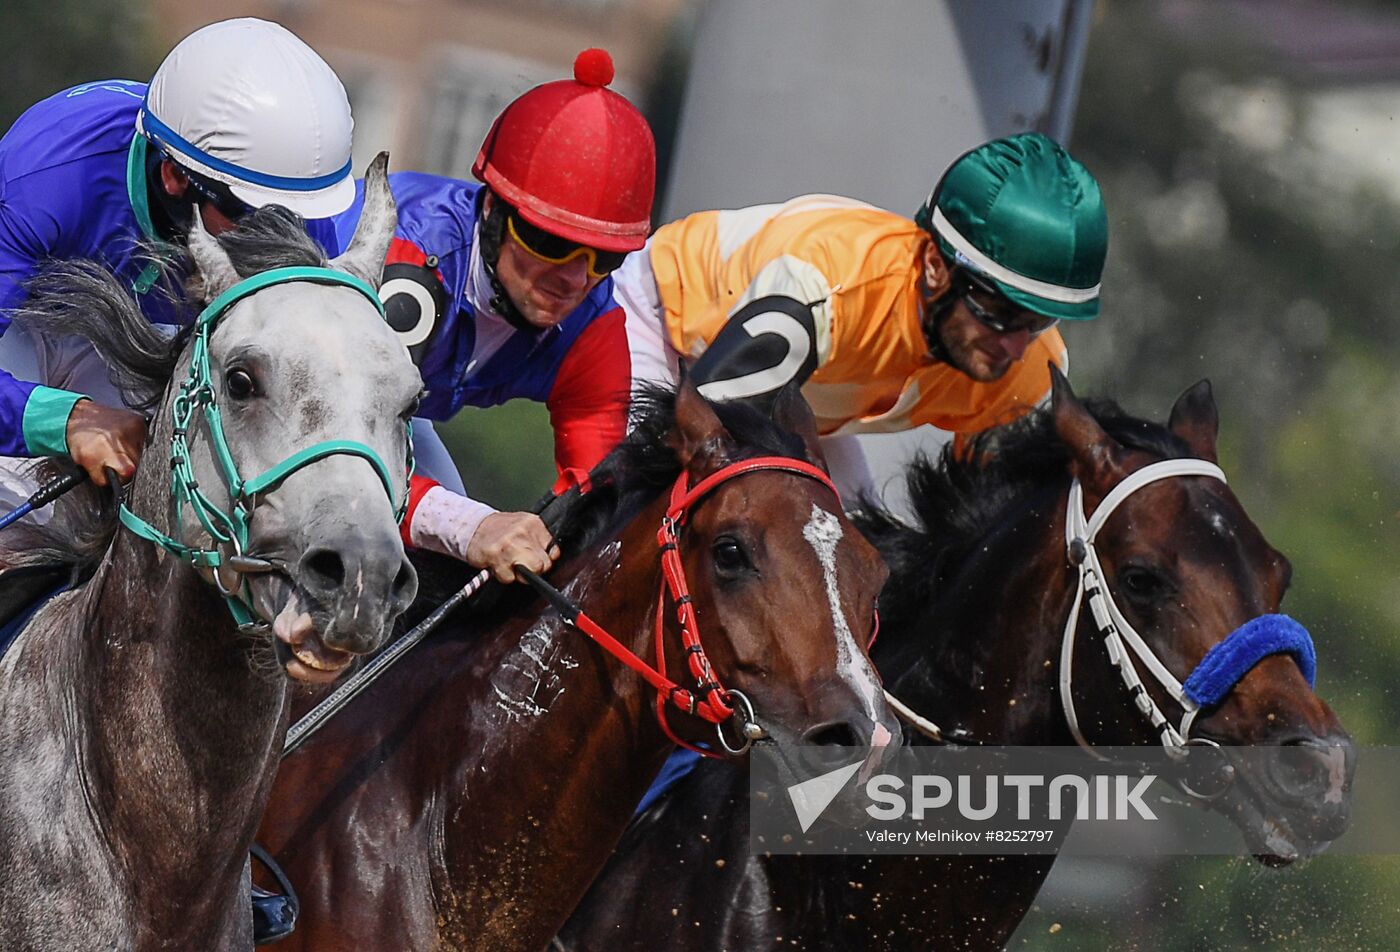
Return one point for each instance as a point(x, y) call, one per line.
point(359, 588)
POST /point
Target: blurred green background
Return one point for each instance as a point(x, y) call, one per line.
point(1254, 193)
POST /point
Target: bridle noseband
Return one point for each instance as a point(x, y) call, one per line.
point(231, 529)
point(709, 700)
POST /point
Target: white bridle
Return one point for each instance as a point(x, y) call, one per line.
point(1118, 634)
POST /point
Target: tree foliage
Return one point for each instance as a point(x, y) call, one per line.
point(52, 44)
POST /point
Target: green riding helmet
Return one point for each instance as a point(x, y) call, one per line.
point(1023, 213)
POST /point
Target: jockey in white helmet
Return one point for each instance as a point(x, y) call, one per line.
point(240, 114)
point(246, 104)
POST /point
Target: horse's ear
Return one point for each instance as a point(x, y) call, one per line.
point(1098, 459)
point(699, 436)
point(1195, 420)
point(378, 219)
point(792, 412)
point(213, 269)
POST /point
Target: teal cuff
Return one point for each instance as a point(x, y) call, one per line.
point(46, 420)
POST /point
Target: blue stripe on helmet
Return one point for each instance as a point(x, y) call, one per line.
point(169, 137)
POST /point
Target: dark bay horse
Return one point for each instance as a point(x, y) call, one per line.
point(140, 724)
point(972, 621)
point(469, 796)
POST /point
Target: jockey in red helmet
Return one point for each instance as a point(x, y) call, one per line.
point(575, 159)
point(570, 169)
point(504, 290)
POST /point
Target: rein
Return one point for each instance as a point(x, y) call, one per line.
point(1223, 666)
point(708, 699)
point(230, 529)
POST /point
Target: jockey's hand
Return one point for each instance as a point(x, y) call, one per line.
point(102, 438)
point(506, 539)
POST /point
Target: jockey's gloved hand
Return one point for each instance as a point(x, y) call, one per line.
point(450, 523)
point(102, 438)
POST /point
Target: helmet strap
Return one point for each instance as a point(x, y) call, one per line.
point(935, 314)
point(490, 233)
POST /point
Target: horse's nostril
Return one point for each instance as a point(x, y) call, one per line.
point(327, 566)
point(1303, 767)
point(403, 580)
point(832, 734)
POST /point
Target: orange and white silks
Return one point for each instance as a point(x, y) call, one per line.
point(858, 267)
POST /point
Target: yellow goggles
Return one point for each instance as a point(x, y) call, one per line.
point(551, 249)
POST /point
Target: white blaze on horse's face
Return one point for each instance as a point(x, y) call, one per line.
point(823, 532)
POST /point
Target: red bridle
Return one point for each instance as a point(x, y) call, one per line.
point(708, 700)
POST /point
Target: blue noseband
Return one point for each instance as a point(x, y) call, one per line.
point(1229, 661)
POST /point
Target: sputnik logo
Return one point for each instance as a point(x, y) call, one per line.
point(810, 798)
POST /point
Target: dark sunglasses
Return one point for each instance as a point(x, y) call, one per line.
point(552, 249)
point(219, 195)
point(1002, 316)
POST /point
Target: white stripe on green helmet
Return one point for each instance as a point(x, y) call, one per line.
point(967, 251)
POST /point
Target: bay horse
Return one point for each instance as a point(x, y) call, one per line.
point(978, 599)
point(466, 799)
point(142, 712)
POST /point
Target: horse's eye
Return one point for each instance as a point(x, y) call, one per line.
point(730, 557)
point(240, 384)
point(1141, 583)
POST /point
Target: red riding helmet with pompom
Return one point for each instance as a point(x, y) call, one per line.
point(575, 158)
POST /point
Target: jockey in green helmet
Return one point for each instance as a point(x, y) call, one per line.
point(886, 323)
point(1022, 230)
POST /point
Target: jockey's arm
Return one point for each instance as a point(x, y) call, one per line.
point(450, 523)
point(590, 397)
point(439, 519)
point(36, 420)
point(780, 331)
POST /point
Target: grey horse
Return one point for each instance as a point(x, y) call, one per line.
point(140, 725)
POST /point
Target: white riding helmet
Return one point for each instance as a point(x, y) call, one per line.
point(247, 103)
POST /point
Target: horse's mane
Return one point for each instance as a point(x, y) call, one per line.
point(959, 500)
point(644, 464)
point(81, 298)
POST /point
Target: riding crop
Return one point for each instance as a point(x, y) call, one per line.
point(46, 494)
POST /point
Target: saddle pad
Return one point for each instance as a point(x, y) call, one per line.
point(23, 591)
point(678, 766)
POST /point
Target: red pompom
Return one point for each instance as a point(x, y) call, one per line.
point(594, 67)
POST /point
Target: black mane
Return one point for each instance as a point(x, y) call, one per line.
point(958, 502)
point(644, 464)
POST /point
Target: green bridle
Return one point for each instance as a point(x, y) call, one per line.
point(197, 392)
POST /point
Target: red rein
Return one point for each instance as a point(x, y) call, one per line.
point(708, 700)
